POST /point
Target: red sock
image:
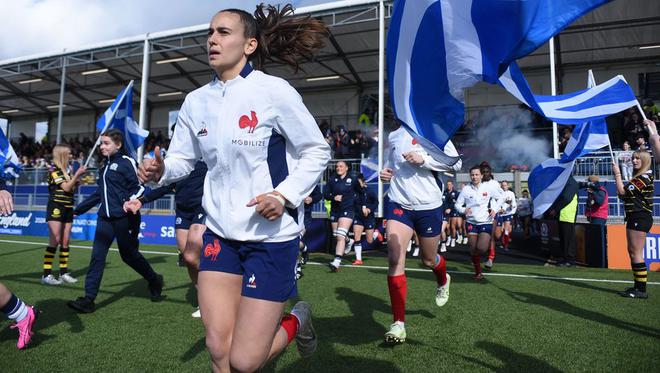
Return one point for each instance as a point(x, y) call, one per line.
point(440, 270)
point(290, 325)
point(491, 252)
point(476, 262)
point(505, 240)
point(398, 288)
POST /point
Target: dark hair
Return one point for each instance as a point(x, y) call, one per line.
point(281, 38)
point(476, 167)
point(116, 136)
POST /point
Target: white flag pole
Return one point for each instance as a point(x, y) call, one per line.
point(107, 123)
point(591, 84)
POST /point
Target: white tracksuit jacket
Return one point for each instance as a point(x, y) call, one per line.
point(477, 199)
point(415, 187)
point(255, 134)
point(509, 207)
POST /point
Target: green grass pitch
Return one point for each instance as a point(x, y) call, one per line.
point(507, 323)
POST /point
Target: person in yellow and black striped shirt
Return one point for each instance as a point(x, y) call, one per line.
point(59, 214)
point(637, 196)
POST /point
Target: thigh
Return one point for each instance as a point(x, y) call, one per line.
point(636, 242)
point(345, 223)
point(257, 322)
point(398, 237)
point(181, 239)
point(66, 234)
point(126, 230)
point(103, 238)
point(219, 295)
point(483, 243)
point(507, 226)
point(55, 229)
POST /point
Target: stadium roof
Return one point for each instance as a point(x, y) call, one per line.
point(619, 33)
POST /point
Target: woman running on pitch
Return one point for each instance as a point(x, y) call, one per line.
point(366, 205)
point(479, 202)
point(415, 206)
point(341, 190)
point(505, 215)
point(59, 214)
point(265, 153)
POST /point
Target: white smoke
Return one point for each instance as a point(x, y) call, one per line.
point(504, 136)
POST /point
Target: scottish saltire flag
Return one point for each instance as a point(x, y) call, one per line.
point(547, 180)
point(437, 48)
point(10, 165)
point(593, 103)
point(369, 168)
point(120, 116)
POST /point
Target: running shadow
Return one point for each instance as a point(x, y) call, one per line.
point(567, 308)
point(512, 361)
point(194, 350)
point(52, 312)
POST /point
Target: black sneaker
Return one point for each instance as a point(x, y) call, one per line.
point(156, 288)
point(633, 293)
point(180, 262)
point(82, 305)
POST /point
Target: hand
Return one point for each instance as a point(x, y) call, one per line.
point(81, 170)
point(267, 206)
point(152, 169)
point(413, 158)
point(338, 198)
point(132, 206)
point(6, 203)
point(615, 169)
point(308, 200)
point(650, 126)
point(492, 213)
point(365, 211)
point(502, 211)
point(386, 175)
point(468, 212)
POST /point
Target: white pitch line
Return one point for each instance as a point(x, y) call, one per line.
point(385, 268)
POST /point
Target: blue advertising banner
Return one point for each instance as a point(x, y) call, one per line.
point(652, 249)
point(154, 229)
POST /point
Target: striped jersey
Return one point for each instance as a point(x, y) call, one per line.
point(56, 193)
point(638, 197)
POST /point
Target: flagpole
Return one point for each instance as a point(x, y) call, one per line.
point(553, 91)
point(105, 127)
point(381, 99)
point(592, 83)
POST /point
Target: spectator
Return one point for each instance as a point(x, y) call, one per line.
point(564, 209)
point(525, 210)
point(360, 145)
point(625, 160)
point(596, 209)
point(342, 143)
point(634, 128)
point(641, 143)
point(566, 133)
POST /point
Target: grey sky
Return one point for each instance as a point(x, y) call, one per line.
point(37, 26)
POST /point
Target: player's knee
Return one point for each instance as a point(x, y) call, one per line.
point(341, 234)
point(428, 262)
point(241, 362)
point(217, 346)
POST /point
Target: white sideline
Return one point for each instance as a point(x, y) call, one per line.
point(385, 268)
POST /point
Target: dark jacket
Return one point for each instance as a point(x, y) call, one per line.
point(187, 192)
point(346, 187)
point(367, 198)
point(117, 183)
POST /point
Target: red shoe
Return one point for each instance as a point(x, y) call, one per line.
point(357, 263)
point(478, 277)
point(25, 328)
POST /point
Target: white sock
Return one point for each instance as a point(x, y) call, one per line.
point(358, 251)
point(459, 238)
point(19, 312)
point(416, 252)
point(409, 246)
point(336, 262)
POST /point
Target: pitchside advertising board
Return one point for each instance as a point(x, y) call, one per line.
point(154, 229)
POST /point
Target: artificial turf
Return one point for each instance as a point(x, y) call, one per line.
point(505, 323)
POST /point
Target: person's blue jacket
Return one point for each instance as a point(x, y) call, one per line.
point(117, 183)
point(347, 187)
point(187, 192)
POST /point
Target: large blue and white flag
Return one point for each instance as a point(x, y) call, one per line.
point(593, 103)
point(437, 48)
point(547, 180)
point(10, 165)
point(120, 116)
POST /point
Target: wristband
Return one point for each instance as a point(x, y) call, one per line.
point(279, 198)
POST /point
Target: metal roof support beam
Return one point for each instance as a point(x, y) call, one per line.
point(347, 62)
point(60, 110)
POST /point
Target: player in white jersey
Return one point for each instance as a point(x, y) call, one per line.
point(505, 215)
point(489, 179)
point(264, 154)
point(415, 206)
point(479, 202)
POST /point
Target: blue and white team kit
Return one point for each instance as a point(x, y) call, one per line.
point(256, 136)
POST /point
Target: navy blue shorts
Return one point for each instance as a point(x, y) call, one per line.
point(368, 222)
point(427, 223)
point(479, 228)
point(336, 215)
point(268, 268)
point(455, 214)
point(502, 219)
point(186, 218)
